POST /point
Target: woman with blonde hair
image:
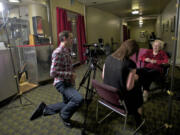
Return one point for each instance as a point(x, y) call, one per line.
point(120, 72)
point(153, 60)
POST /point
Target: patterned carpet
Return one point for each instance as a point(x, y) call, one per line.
point(15, 121)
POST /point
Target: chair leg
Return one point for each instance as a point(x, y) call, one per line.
point(125, 121)
point(97, 110)
point(105, 117)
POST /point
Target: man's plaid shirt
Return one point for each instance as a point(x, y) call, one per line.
point(61, 67)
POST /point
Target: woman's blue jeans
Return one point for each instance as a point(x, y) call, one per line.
point(72, 100)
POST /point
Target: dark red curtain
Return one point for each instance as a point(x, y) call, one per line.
point(69, 26)
point(125, 33)
point(128, 36)
point(62, 22)
point(81, 37)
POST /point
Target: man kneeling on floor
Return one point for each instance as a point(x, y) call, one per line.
point(64, 79)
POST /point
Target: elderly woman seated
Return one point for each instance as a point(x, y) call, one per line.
point(153, 60)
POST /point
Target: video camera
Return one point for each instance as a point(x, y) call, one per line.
point(93, 50)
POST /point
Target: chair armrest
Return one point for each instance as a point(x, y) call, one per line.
point(165, 68)
point(141, 62)
point(167, 65)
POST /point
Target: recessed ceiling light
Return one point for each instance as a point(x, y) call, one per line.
point(14, 1)
point(134, 12)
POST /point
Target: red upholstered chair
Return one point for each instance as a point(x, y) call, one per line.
point(139, 64)
point(161, 82)
point(108, 96)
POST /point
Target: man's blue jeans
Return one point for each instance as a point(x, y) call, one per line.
point(71, 102)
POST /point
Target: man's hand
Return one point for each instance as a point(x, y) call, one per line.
point(73, 76)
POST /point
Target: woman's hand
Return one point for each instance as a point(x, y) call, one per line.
point(136, 77)
point(147, 60)
point(131, 79)
point(150, 60)
point(153, 61)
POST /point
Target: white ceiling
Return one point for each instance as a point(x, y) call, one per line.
point(24, 2)
point(149, 8)
point(123, 8)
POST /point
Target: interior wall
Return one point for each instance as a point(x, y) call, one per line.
point(65, 4)
point(39, 10)
point(158, 26)
point(168, 13)
point(101, 24)
point(141, 34)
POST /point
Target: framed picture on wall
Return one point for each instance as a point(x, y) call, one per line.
point(37, 25)
point(167, 26)
point(163, 28)
point(173, 24)
point(142, 34)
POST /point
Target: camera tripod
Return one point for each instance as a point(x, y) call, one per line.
point(89, 91)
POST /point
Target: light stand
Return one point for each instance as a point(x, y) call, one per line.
point(168, 125)
point(173, 67)
point(19, 93)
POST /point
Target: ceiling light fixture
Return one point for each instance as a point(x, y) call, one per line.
point(135, 12)
point(14, 1)
point(1, 7)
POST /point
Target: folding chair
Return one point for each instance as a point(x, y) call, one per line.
point(109, 97)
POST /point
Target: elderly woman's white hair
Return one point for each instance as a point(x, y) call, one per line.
point(161, 43)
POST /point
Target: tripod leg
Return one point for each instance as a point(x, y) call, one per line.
point(91, 90)
point(98, 67)
point(87, 88)
point(17, 106)
point(28, 100)
point(86, 109)
point(88, 73)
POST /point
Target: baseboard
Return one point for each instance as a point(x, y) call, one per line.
point(6, 101)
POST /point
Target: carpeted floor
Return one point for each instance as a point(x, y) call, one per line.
point(15, 121)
